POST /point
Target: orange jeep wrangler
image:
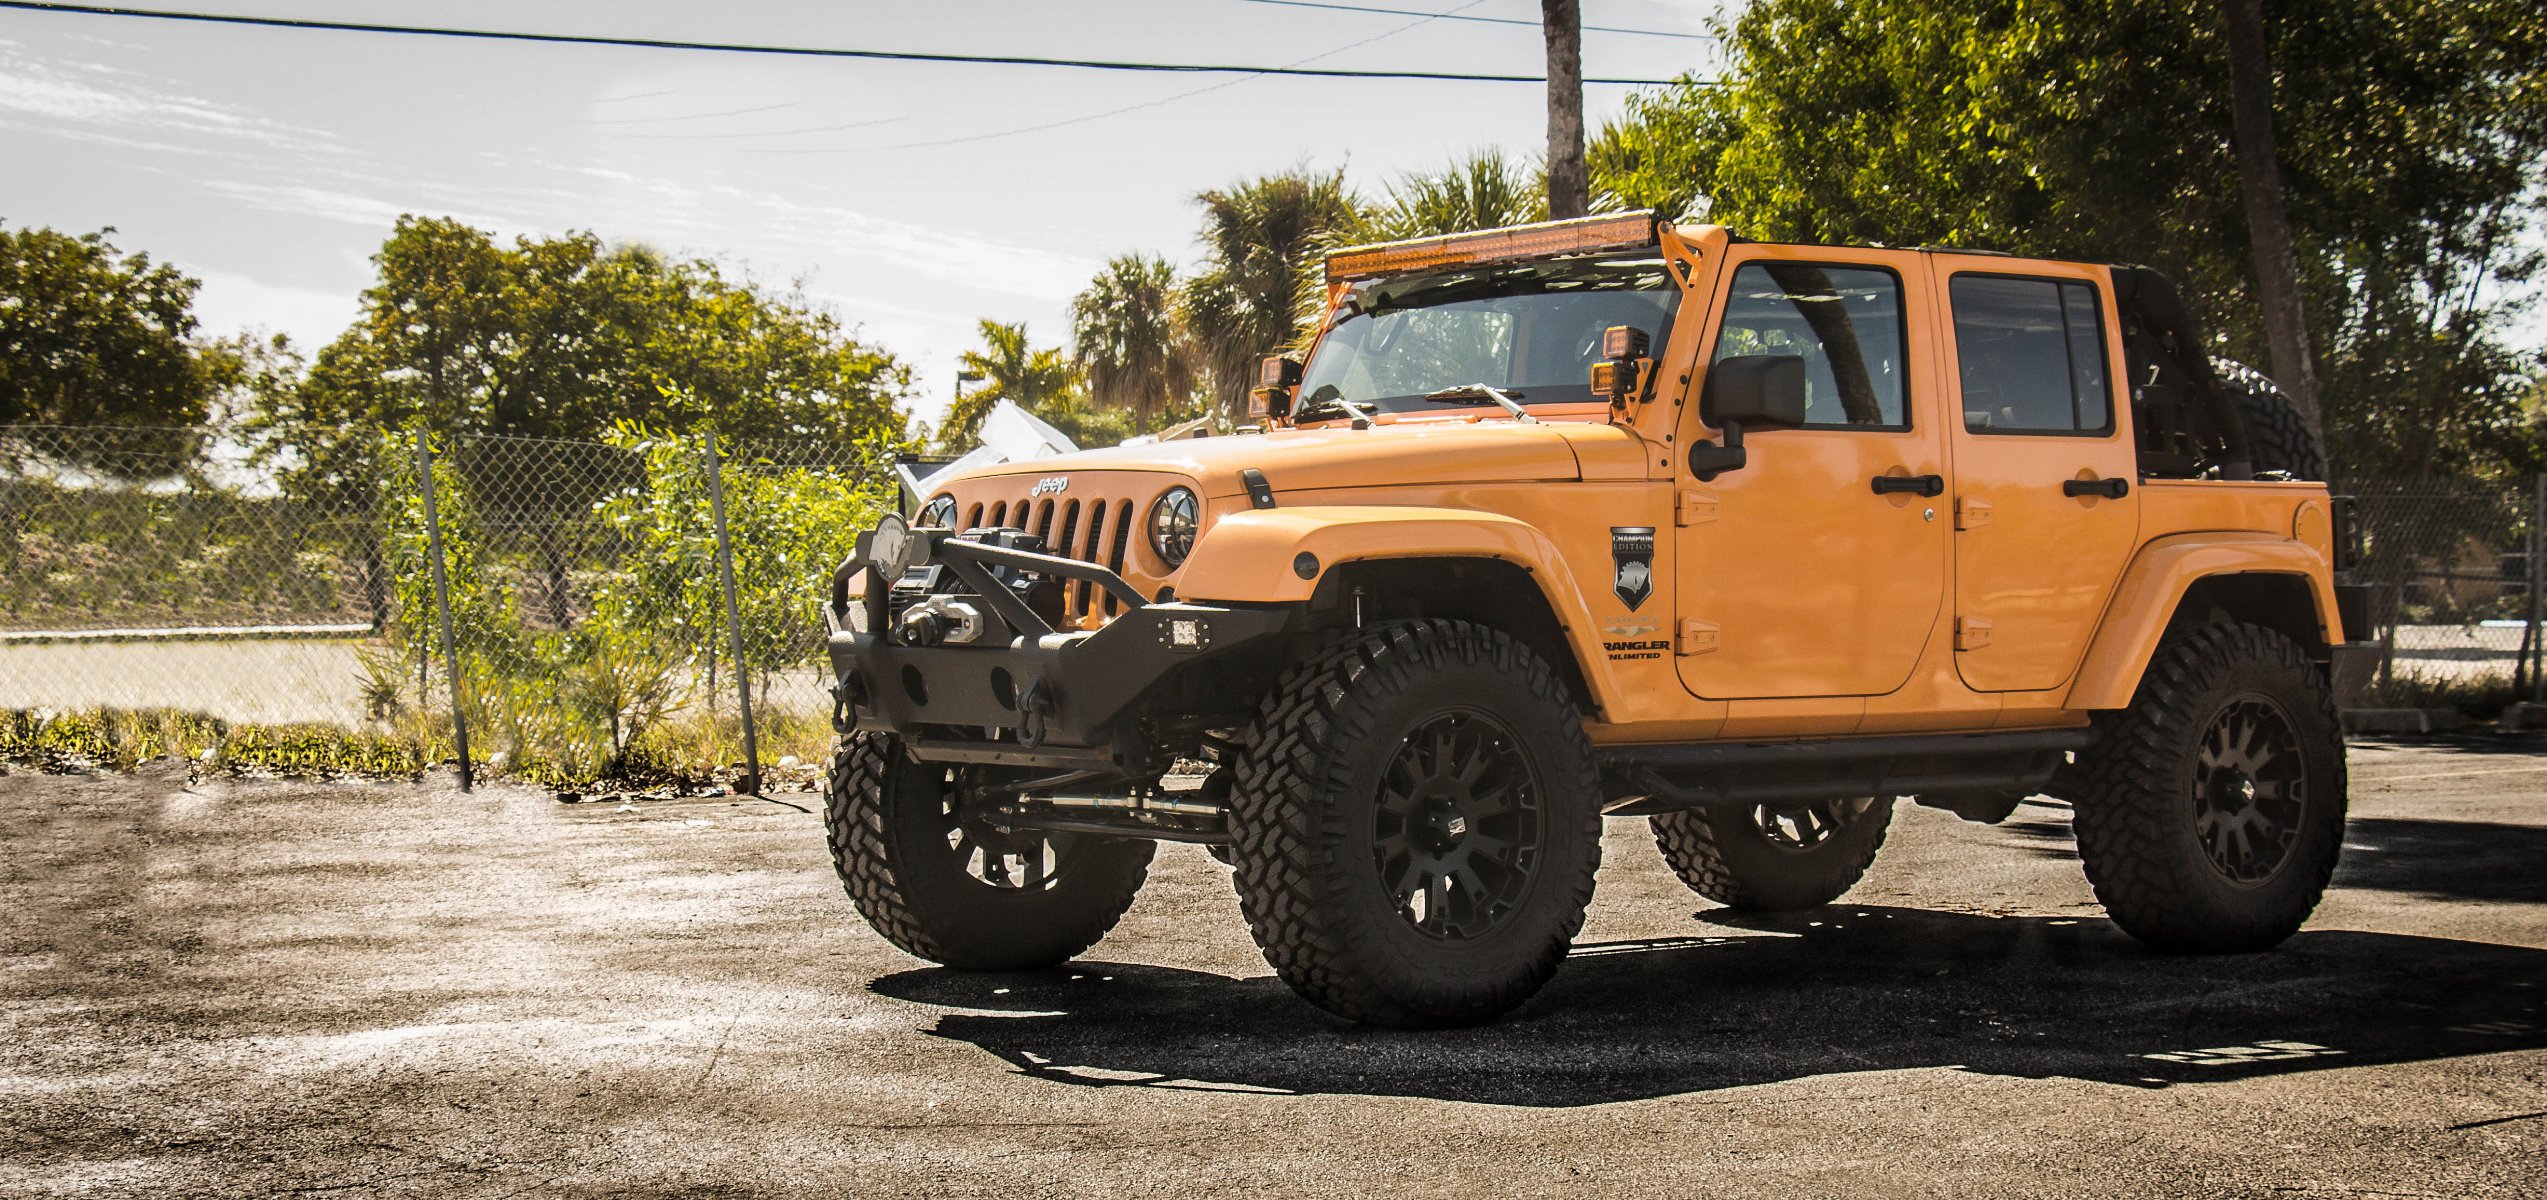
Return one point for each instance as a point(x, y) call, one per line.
point(1611, 517)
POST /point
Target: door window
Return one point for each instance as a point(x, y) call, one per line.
point(1845, 322)
point(2032, 354)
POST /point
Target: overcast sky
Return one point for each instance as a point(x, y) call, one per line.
point(913, 199)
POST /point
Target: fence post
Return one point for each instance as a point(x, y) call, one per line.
point(733, 616)
point(2532, 638)
point(442, 603)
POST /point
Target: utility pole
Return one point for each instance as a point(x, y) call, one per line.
point(1569, 184)
point(2268, 226)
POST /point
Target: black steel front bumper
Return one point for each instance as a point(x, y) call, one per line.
point(1032, 695)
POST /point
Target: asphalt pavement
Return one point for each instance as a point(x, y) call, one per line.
point(234, 987)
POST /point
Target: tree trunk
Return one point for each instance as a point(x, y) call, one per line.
point(2268, 226)
point(1569, 187)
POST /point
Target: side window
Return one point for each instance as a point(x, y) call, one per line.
point(2033, 356)
point(1845, 322)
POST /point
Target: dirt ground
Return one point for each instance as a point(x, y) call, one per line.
point(360, 989)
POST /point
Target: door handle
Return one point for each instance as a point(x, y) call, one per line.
point(1917, 485)
point(2111, 489)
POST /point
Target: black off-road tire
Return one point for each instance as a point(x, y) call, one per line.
point(892, 839)
point(1312, 831)
point(2276, 438)
point(1725, 853)
point(2145, 789)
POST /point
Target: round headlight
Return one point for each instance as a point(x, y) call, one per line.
point(1174, 518)
point(938, 513)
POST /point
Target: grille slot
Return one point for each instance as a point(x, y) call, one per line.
point(1122, 542)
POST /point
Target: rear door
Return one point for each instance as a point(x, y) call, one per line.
point(2046, 501)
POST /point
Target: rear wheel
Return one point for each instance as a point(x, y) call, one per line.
point(1415, 825)
point(1774, 858)
point(952, 889)
point(2213, 808)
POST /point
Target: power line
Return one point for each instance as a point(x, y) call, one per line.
point(1410, 12)
point(1012, 60)
point(1189, 93)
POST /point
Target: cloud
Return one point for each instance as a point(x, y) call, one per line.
point(98, 95)
point(967, 258)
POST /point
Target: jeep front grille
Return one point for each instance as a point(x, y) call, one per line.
point(1095, 531)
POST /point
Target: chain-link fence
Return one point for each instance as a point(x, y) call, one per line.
point(584, 589)
point(2455, 571)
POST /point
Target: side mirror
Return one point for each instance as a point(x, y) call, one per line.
point(1275, 379)
point(1762, 390)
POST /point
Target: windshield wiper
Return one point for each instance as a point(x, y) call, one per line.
point(1475, 391)
point(1361, 413)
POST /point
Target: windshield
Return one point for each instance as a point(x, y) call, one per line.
point(1533, 330)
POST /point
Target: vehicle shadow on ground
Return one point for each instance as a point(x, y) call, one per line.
point(1753, 1001)
point(2441, 860)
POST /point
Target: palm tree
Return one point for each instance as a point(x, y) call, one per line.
point(1259, 280)
point(1124, 330)
point(1010, 369)
point(1482, 191)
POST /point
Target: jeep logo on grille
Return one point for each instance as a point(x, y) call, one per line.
point(1050, 485)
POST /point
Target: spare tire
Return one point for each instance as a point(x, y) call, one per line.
point(2277, 440)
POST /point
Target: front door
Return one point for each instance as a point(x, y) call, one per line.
point(1796, 575)
point(2046, 478)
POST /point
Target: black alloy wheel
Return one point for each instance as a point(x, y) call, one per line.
point(1457, 825)
point(1805, 826)
point(2250, 791)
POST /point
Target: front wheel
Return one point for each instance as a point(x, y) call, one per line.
point(1416, 823)
point(2212, 809)
point(947, 887)
point(1774, 858)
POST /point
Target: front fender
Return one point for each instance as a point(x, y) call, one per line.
point(2156, 583)
point(1253, 557)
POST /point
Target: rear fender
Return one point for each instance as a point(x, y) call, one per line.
point(2155, 585)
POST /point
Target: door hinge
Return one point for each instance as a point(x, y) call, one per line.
point(1971, 633)
point(1971, 512)
point(1699, 637)
point(1694, 507)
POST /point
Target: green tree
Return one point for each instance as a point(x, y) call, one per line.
point(1125, 334)
point(568, 337)
point(1259, 281)
point(1481, 191)
point(564, 337)
point(92, 336)
point(1040, 381)
point(2411, 139)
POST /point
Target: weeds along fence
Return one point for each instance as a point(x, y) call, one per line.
point(284, 601)
point(166, 591)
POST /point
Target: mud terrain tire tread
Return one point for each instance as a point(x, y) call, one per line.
point(1301, 748)
point(924, 908)
point(1699, 844)
point(2146, 868)
point(2276, 438)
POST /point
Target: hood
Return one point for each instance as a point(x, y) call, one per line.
point(1400, 453)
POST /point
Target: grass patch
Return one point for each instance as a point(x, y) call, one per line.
point(2483, 697)
point(685, 754)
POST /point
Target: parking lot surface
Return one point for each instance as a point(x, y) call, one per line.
point(244, 987)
